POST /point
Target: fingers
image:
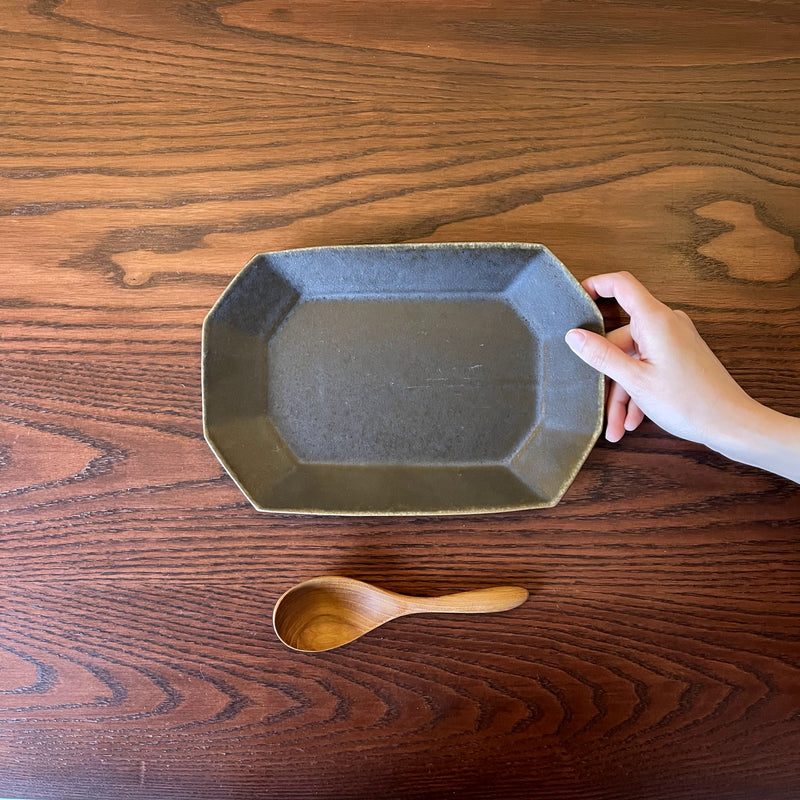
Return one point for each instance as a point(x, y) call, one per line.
point(603, 355)
point(617, 355)
point(629, 293)
point(616, 412)
point(622, 338)
point(634, 417)
point(622, 413)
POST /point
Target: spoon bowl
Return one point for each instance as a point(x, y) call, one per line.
point(330, 611)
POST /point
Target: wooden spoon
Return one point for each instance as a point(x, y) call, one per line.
point(327, 612)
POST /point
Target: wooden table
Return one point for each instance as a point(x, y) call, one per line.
point(149, 149)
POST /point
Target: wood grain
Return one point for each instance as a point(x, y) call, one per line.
point(147, 151)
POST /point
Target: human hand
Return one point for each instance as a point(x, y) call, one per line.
point(659, 367)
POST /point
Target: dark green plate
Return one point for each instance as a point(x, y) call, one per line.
point(401, 379)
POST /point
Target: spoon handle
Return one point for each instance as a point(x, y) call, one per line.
point(477, 601)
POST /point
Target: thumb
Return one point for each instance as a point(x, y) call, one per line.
point(601, 354)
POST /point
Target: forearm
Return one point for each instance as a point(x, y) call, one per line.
point(764, 438)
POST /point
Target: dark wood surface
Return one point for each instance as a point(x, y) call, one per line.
point(147, 151)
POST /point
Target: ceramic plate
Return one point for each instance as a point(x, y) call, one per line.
point(401, 379)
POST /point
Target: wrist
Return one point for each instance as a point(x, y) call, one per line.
point(761, 437)
point(741, 433)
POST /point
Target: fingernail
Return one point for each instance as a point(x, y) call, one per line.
point(576, 339)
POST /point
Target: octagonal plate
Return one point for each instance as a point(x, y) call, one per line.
point(401, 379)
